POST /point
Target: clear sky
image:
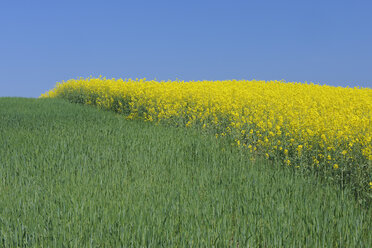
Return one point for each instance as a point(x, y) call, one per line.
point(44, 42)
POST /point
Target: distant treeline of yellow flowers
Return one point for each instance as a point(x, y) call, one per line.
point(325, 128)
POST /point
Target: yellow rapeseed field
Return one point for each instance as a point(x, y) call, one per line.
point(302, 125)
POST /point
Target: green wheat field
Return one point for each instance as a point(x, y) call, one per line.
point(76, 176)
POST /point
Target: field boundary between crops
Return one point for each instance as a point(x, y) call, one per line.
point(320, 129)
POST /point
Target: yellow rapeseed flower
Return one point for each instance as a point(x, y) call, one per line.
point(324, 120)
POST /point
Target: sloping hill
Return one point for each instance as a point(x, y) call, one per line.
point(72, 175)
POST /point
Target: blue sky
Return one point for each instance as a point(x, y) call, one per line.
point(44, 42)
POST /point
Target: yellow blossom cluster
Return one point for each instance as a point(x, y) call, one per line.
point(305, 125)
